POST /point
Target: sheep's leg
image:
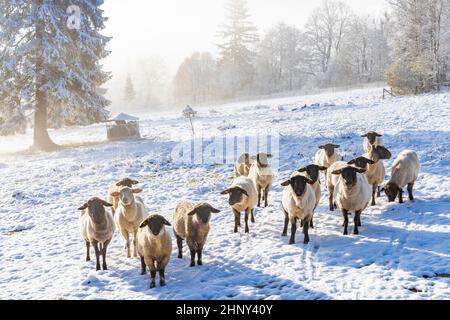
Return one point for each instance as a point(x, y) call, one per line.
point(247, 213)
point(199, 255)
point(88, 246)
point(161, 266)
point(286, 222)
point(151, 264)
point(374, 191)
point(305, 231)
point(330, 198)
point(180, 246)
point(104, 248)
point(379, 192)
point(345, 214)
point(143, 266)
point(266, 197)
point(126, 236)
point(293, 230)
point(259, 196)
point(135, 244)
point(97, 254)
point(311, 223)
point(400, 195)
point(357, 222)
point(253, 216)
point(237, 220)
point(193, 250)
point(410, 191)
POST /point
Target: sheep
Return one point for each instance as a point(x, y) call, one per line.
point(371, 138)
point(405, 171)
point(313, 172)
point(155, 247)
point(326, 156)
point(351, 194)
point(332, 180)
point(129, 214)
point(298, 203)
point(242, 166)
point(191, 223)
point(97, 228)
point(372, 161)
point(125, 182)
point(262, 176)
point(242, 197)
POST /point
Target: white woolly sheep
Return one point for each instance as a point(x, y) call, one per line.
point(405, 171)
point(352, 194)
point(125, 182)
point(155, 247)
point(191, 223)
point(242, 166)
point(332, 180)
point(298, 203)
point(242, 197)
point(326, 156)
point(372, 162)
point(371, 138)
point(97, 228)
point(129, 215)
point(262, 176)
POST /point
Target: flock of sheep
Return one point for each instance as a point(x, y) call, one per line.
point(352, 186)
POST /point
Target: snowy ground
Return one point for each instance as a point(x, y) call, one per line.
point(403, 251)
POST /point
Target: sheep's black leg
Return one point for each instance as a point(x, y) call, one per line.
point(305, 231)
point(162, 277)
point(311, 223)
point(330, 198)
point(374, 191)
point(259, 196)
point(410, 191)
point(97, 254)
point(345, 214)
point(192, 258)
point(88, 246)
point(152, 274)
point(253, 216)
point(143, 266)
point(247, 213)
point(400, 195)
point(266, 197)
point(356, 222)
point(293, 230)
point(180, 246)
point(237, 218)
point(104, 248)
point(286, 222)
point(379, 192)
point(199, 256)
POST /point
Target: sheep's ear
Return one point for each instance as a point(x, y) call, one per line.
point(336, 146)
point(134, 182)
point(309, 181)
point(337, 172)
point(323, 168)
point(361, 170)
point(302, 170)
point(106, 204)
point(370, 161)
point(193, 212)
point(226, 192)
point(244, 192)
point(214, 210)
point(83, 207)
point(383, 189)
point(118, 184)
point(351, 162)
point(115, 194)
point(137, 190)
point(286, 183)
point(321, 147)
point(269, 155)
point(167, 223)
point(144, 224)
point(379, 135)
point(364, 136)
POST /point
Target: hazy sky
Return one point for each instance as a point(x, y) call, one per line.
point(173, 29)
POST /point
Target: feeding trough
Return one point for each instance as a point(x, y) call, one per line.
point(123, 126)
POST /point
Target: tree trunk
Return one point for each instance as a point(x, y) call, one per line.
point(41, 140)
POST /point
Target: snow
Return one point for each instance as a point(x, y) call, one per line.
point(402, 252)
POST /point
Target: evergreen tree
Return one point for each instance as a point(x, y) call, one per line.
point(47, 66)
point(130, 94)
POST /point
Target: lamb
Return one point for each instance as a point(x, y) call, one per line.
point(372, 161)
point(97, 228)
point(262, 176)
point(405, 171)
point(332, 180)
point(191, 223)
point(352, 194)
point(125, 182)
point(371, 139)
point(298, 203)
point(155, 247)
point(129, 215)
point(242, 197)
point(326, 156)
point(242, 166)
point(313, 172)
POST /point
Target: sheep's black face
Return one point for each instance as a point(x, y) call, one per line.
point(155, 223)
point(382, 153)
point(96, 209)
point(203, 212)
point(127, 182)
point(349, 176)
point(372, 137)
point(329, 149)
point(361, 162)
point(236, 195)
point(298, 184)
point(391, 190)
point(313, 171)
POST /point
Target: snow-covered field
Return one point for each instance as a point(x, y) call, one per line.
point(403, 251)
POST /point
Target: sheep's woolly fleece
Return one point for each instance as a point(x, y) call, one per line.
point(402, 252)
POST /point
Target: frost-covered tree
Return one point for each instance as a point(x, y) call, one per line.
point(48, 64)
point(129, 93)
point(237, 39)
